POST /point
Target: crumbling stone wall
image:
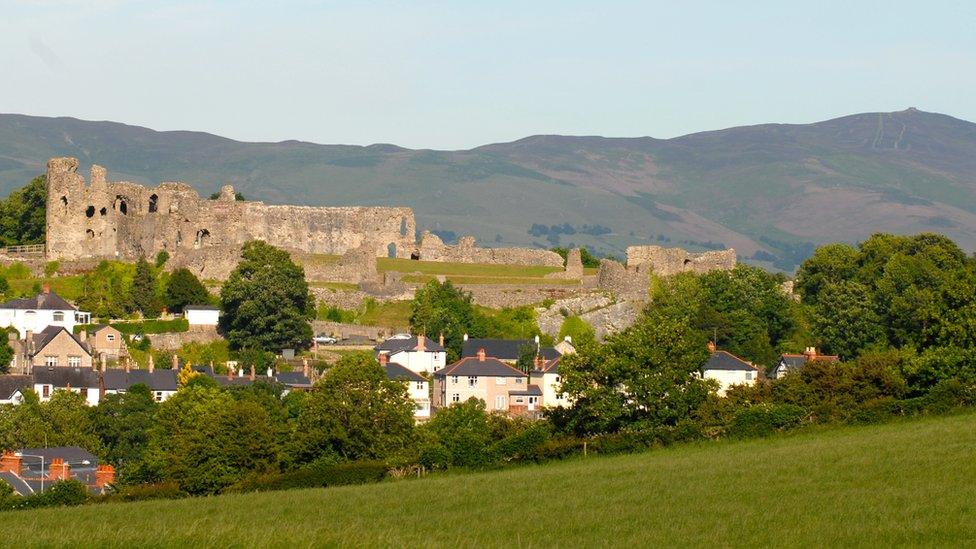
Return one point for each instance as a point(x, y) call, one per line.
point(125, 220)
point(574, 267)
point(669, 261)
point(624, 283)
point(432, 248)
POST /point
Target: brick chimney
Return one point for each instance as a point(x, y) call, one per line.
point(10, 463)
point(46, 288)
point(104, 475)
point(711, 346)
point(305, 367)
point(128, 365)
point(152, 364)
point(383, 359)
point(252, 372)
point(481, 355)
point(810, 353)
point(58, 469)
point(421, 342)
point(230, 373)
point(103, 360)
point(440, 340)
point(176, 362)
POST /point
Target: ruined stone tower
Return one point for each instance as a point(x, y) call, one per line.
point(126, 220)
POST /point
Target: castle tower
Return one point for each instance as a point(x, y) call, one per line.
point(79, 218)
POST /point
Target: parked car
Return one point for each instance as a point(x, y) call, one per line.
point(323, 339)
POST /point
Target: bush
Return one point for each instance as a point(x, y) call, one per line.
point(61, 493)
point(313, 476)
point(143, 492)
point(766, 419)
point(523, 445)
point(145, 327)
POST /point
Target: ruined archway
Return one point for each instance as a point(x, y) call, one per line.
point(64, 205)
point(202, 239)
point(403, 227)
point(153, 203)
point(120, 205)
point(391, 250)
point(90, 211)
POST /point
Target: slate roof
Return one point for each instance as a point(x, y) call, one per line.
point(45, 336)
point(62, 376)
point(408, 344)
point(471, 366)
point(200, 308)
point(10, 384)
point(293, 379)
point(71, 454)
point(531, 390)
point(117, 379)
point(723, 360)
point(42, 301)
point(397, 371)
point(551, 366)
point(18, 484)
point(793, 362)
point(503, 349)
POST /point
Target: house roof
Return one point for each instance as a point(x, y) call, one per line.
point(100, 327)
point(71, 454)
point(10, 384)
point(551, 366)
point(793, 362)
point(393, 345)
point(293, 379)
point(531, 390)
point(19, 485)
point(61, 376)
point(503, 349)
point(200, 308)
point(47, 335)
point(41, 301)
point(117, 379)
point(471, 366)
point(397, 371)
point(723, 360)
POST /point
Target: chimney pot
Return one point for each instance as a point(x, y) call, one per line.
point(152, 363)
point(711, 346)
point(46, 288)
point(440, 340)
point(421, 342)
point(252, 372)
point(305, 367)
point(481, 355)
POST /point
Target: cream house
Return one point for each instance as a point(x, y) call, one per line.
point(418, 388)
point(728, 370)
point(493, 381)
point(418, 354)
point(546, 376)
point(35, 314)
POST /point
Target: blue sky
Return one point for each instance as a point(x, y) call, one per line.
point(454, 75)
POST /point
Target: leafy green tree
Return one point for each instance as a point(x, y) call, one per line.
point(4, 287)
point(354, 412)
point(6, 353)
point(845, 321)
point(526, 357)
point(459, 435)
point(266, 302)
point(440, 308)
point(161, 258)
point(106, 291)
point(828, 265)
point(185, 289)
point(22, 214)
point(122, 422)
point(144, 290)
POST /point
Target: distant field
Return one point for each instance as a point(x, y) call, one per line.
point(465, 269)
point(906, 483)
point(395, 314)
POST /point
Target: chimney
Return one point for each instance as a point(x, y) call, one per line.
point(270, 372)
point(383, 359)
point(481, 355)
point(421, 342)
point(46, 288)
point(230, 373)
point(305, 367)
point(83, 336)
point(711, 346)
point(440, 340)
point(252, 372)
point(58, 470)
point(128, 366)
point(176, 362)
point(10, 463)
point(101, 383)
point(104, 475)
point(103, 361)
point(811, 353)
point(152, 363)
point(465, 337)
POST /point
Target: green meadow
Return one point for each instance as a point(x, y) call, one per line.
point(906, 483)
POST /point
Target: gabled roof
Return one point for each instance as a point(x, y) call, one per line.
point(471, 366)
point(293, 379)
point(504, 349)
point(19, 485)
point(10, 384)
point(42, 301)
point(551, 366)
point(63, 377)
point(117, 379)
point(393, 345)
point(723, 360)
point(47, 335)
point(397, 371)
point(71, 454)
point(531, 390)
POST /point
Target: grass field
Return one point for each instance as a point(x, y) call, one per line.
point(904, 483)
point(68, 287)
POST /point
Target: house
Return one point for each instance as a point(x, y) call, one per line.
point(492, 380)
point(506, 350)
point(49, 379)
point(295, 381)
point(201, 315)
point(105, 341)
point(417, 353)
point(788, 362)
point(162, 383)
point(55, 347)
point(728, 370)
point(33, 470)
point(35, 314)
point(546, 376)
point(417, 386)
point(565, 347)
point(12, 388)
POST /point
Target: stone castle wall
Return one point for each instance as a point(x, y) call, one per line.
point(125, 220)
point(669, 261)
point(432, 248)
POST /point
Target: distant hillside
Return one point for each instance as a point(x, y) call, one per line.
point(771, 191)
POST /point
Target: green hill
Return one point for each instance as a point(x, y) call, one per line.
point(905, 483)
point(771, 189)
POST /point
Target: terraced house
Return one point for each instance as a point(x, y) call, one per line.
point(502, 387)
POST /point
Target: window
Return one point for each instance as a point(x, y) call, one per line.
point(455, 398)
point(472, 381)
point(45, 391)
point(533, 400)
point(500, 402)
point(420, 385)
point(159, 396)
point(74, 361)
point(499, 380)
point(109, 337)
point(59, 316)
point(560, 396)
point(454, 380)
point(519, 400)
point(559, 379)
point(748, 376)
point(519, 381)
point(51, 361)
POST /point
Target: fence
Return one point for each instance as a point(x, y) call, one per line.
point(24, 250)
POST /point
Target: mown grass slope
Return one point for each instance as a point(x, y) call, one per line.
point(905, 483)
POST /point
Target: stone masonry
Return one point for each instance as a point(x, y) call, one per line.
point(432, 248)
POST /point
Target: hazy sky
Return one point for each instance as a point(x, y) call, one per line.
point(459, 74)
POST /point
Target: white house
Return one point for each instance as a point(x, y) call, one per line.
point(418, 354)
point(417, 386)
point(728, 370)
point(47, 380)
point(788, 362)
point(201, 315)
point(12, 388)
point(34, 314)
point(546, 376)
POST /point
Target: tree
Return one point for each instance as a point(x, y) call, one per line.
point(185, 289)
point(22, 214)
point(122, 422)
point(460, 436)
point(354, 412)
point(845, 321)
point(143, 292)
point(106, 291)
point(6, 353)
point(266, 302)
point(440, 308)
point(161, 258)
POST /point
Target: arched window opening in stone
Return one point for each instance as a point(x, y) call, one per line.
point(687, 261)
point(403, 227)
point(90, 233)
point(153, 203)
point(64, 204)
point(391, 250)
point(103, 211)
point(202, 239)
point(90, 211)
point(415, 256)
point(120, 205)
point(179, 238)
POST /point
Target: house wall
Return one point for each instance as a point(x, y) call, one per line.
point(420, 361)
point(63, 346)
point(728, 378)
point(549, 383)
point(34, 320)
point(198, 317)
point(492, 390)
point(91, 394)
point(109, 341)
point(420, 394)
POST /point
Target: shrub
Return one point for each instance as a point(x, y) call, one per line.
point(145, 327)
point(61, 493)
point(766, 419)
point(314, 476)
point(523, 445)
point(51, 268)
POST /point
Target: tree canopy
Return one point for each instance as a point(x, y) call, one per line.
point(22, 214)
point(183, 289)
